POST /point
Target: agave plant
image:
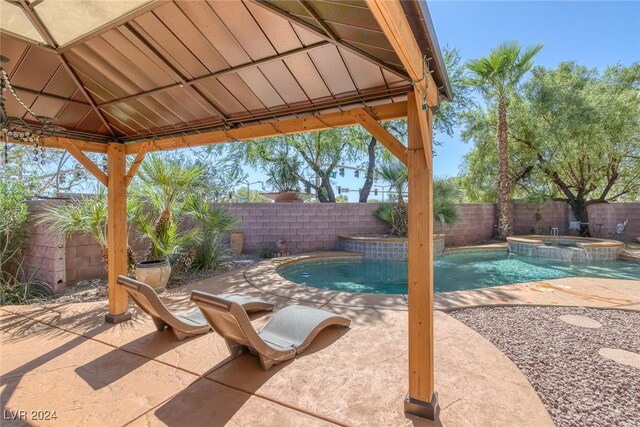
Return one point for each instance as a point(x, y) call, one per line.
point(87, 215)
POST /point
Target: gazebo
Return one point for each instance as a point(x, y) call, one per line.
point(128, 78)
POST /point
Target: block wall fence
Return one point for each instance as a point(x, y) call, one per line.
point(306, 227)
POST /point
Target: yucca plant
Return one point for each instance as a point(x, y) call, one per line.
point(214, 221)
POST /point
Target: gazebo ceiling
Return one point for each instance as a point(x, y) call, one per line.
point(140, 69)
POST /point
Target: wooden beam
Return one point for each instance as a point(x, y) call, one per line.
point(391, 111)
point(394, 24)
point(426, 128)
point(117, 232)
point(422, 400)
point(142, 152)
point(60, 142)
point(381, 134)
point(86, 162)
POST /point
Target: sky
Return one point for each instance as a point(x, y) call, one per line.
point(592, 33)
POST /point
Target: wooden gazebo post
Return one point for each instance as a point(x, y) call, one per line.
point(117, 230)
point(422, 398)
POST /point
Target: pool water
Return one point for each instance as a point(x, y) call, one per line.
point(452, 272)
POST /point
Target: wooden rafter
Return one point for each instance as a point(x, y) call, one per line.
point(394, 24)
point(285, 127)
point(86, 162)
point(380, 133)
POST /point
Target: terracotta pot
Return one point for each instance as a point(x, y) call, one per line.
point(288, 197)
point(154, 273)
point(236, 241)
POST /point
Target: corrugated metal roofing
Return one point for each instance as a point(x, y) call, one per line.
point(183, 66)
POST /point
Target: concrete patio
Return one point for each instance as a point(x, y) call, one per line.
point(64, 358)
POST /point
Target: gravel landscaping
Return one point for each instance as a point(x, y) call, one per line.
point(577, 385)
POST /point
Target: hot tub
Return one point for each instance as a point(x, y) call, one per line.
point(565, 248)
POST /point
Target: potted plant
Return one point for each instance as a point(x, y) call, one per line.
point(160, 205)
point(282, 177)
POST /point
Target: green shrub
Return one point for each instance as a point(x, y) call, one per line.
point(210, 253)
point(16, 287)
point(265, 252)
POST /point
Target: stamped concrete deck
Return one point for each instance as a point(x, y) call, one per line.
point(64, 358)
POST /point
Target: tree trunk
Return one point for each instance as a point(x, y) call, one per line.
point(368, 181)
point(505, 219)
point(326, 194)
point(579, 209)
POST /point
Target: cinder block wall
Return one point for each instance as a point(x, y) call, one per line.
point(554, 214)
point(305, 226)
point(45, 259)
point(476, 224)
point(611, 214)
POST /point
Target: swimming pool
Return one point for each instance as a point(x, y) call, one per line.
point(452, 272)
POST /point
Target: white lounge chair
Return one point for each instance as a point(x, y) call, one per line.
point(289, 332)
point(186, 324)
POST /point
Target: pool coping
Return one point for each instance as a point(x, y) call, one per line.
point(566, 292)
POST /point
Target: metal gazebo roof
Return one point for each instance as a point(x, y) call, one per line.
point(138, 69)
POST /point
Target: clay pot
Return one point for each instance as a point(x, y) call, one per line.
point(154, 273)
point(288, 197)
point(236, 241)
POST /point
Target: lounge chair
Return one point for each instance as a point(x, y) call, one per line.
point(186, 324)
point(620, 230)
point(289, 332)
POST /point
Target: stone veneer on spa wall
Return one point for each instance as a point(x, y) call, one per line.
point(565, 248)
point(391, 249)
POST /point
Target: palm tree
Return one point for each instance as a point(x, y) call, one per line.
point(446, 196)
point(87, 215)
point(497, 77)
point(397, 176)
point(159, 197)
